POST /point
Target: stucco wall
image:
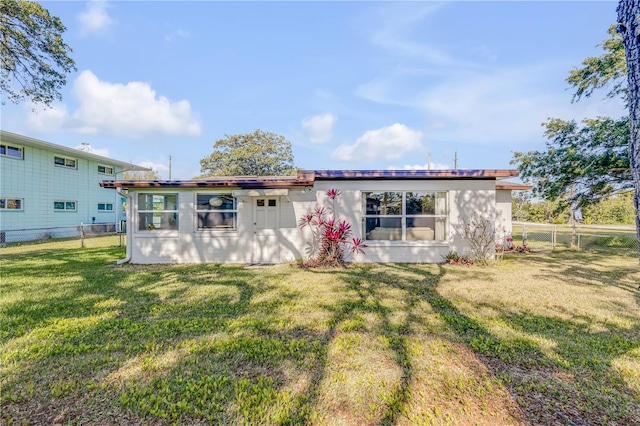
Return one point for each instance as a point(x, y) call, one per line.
point(190, 245)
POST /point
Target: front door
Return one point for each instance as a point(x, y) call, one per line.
point(266, 217)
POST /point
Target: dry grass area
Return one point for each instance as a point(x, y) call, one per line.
point(536, 339)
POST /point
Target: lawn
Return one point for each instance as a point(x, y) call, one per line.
point(537, 339)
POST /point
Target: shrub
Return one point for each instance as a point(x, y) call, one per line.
point(331, 237)
point(453, 258)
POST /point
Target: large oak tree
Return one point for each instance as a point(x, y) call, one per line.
point(588, 161)
point(251, 154)
point(34, 58)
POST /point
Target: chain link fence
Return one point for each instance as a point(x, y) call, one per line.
point(612, 238)
point(80, 231)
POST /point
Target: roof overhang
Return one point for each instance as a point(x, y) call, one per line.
point(413, 174)
point(513, 186)
point(307, 178)
point(17, 139)
point(239, 183)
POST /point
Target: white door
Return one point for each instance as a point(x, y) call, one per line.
point(266, 217)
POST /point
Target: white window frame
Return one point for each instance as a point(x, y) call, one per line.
point(403, 216)
point(67, 162)
point(105, 170)
point(198, 210)
point(153, 230)
point(105, 209)
point(6, 151)
point(65, 209)
point(4, 204)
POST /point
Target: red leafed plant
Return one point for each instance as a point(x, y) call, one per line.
point(331, 237)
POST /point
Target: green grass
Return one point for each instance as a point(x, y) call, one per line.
point(614, 241)
point(536, 339)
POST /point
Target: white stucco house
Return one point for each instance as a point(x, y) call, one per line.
point(403, 215)
point(49, 190)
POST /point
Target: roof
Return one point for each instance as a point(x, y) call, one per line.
point(17, 139)
point(513, 186)
point(307, 177)
point(413, 174)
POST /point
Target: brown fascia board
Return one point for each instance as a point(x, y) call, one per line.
point(513, 186)
point(413, 174)
point(209, 183)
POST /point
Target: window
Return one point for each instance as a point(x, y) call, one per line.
point(157, 212)
point(107, 170)
point(217, 211)
point(405, 216)
point(11, 151)
point(105, 207)
point(65, 162)
point(10, 203)
point(69, 206)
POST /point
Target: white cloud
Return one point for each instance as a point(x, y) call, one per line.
point(48, 119)
point(319, 128)
point(131, 109)
point(95, 19)
point(88, 148)
point(387, 143)
point(427, 166)
point(177, 34)
point(160, 168)
point(113, 109)
point(492, 106)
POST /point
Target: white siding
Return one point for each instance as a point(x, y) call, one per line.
point(503, 212)
point(189, 245)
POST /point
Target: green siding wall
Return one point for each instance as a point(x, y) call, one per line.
point(39, 182)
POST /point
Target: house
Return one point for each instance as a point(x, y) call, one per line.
point(48, 190)
point(403, 215)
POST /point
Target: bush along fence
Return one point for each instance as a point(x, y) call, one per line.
point(589, 237)
point(79, 231)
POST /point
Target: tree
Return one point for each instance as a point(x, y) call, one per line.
point(139, 175)
point(35, 59)
point(629, 28)
point(251, 154)
point(582, 164)
point(585, 163)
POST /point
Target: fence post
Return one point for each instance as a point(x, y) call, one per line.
point(524, 235)
point(554, 236)
point(81, 234)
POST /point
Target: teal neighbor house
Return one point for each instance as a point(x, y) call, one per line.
point(49, 190)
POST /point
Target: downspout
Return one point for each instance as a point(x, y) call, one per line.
point(129, 199)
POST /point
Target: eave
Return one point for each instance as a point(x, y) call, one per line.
point(413, 174)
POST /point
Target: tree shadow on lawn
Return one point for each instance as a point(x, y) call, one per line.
point(573, 382)
point(367, 287)
point(82, 322)
point(169, 343)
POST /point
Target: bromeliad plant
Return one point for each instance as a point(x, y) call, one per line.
point(331, 237)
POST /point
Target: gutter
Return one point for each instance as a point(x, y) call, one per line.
point(127, 257)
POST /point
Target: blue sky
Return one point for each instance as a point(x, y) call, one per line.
point(353, 85)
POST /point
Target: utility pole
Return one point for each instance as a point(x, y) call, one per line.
point(455, 161)
point(429, 161)
point(170, 166)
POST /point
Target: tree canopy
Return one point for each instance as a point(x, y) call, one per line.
point(140, 175)
point(589, 161)
point(35, 59)
point(584, 163)
point(250, 154)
